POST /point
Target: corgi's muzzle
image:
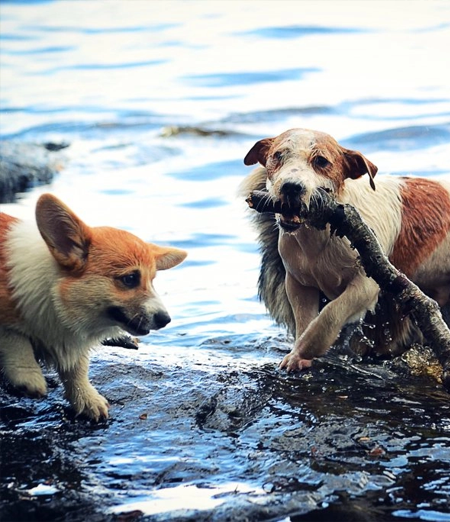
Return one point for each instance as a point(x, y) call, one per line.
point(138, 324)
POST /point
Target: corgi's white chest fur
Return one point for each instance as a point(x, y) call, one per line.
point(35, 279)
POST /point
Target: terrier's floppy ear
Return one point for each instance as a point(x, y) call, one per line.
point(259, 152)
point(67, 237)
point(358, 165)
point(167, 257)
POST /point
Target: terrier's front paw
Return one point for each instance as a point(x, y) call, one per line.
point(293, 362)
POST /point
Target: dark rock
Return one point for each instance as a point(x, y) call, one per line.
point(125, 341)
point(24, 165)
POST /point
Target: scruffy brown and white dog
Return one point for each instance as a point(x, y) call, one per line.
point(65, 287)
point(410, 217)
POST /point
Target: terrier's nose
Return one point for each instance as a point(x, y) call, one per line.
point(292, 192)
point(292, 188)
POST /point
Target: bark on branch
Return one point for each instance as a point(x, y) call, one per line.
point(345, 220)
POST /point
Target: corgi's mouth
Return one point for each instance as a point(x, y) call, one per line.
point(136, 325)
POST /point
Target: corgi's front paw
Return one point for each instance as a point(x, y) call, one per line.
point(29, 381)
point(97, 408)
point(90, 403)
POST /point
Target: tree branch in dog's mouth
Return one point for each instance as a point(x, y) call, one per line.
point(291, 216)
point(345, 220)
point(317, 214)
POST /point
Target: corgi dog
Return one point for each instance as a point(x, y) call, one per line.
point(65, 287)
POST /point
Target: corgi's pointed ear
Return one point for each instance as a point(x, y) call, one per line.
point(168, 257)
point(358, 165)
point(67, 237)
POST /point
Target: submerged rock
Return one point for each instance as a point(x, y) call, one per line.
point(177, 130)
point(24, 165)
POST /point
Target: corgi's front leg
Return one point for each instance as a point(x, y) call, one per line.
point(84, 398)
point(19, 364)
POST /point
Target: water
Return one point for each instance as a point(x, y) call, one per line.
point(160, 102)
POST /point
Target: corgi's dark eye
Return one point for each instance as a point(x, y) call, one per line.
point(321, 162)
point(131, 280)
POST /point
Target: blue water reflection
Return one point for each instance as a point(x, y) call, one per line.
point(298, 31)
point(211, 171)
point(248, 78)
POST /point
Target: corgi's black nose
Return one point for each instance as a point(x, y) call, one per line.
point(161, 319)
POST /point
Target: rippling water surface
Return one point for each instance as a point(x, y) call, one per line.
point(160, 101)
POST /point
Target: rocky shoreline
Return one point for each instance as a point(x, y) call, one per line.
point(26, 165)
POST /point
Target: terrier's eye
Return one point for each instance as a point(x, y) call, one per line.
point(278, 156)
point(321, 162)
point(131, 280)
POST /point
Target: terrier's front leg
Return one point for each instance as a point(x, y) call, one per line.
point(304, 301)
point(360, 296)
point(84, 398)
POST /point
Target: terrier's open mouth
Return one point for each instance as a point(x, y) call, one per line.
point(290, 222)
point(290, 218)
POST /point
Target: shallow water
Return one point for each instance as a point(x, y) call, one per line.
point(160, 102)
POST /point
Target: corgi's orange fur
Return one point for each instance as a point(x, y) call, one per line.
point(64, 287)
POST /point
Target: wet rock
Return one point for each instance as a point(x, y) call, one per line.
point(216, 432)
point(24, 165)
point(125, 341)
point(236, 405)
